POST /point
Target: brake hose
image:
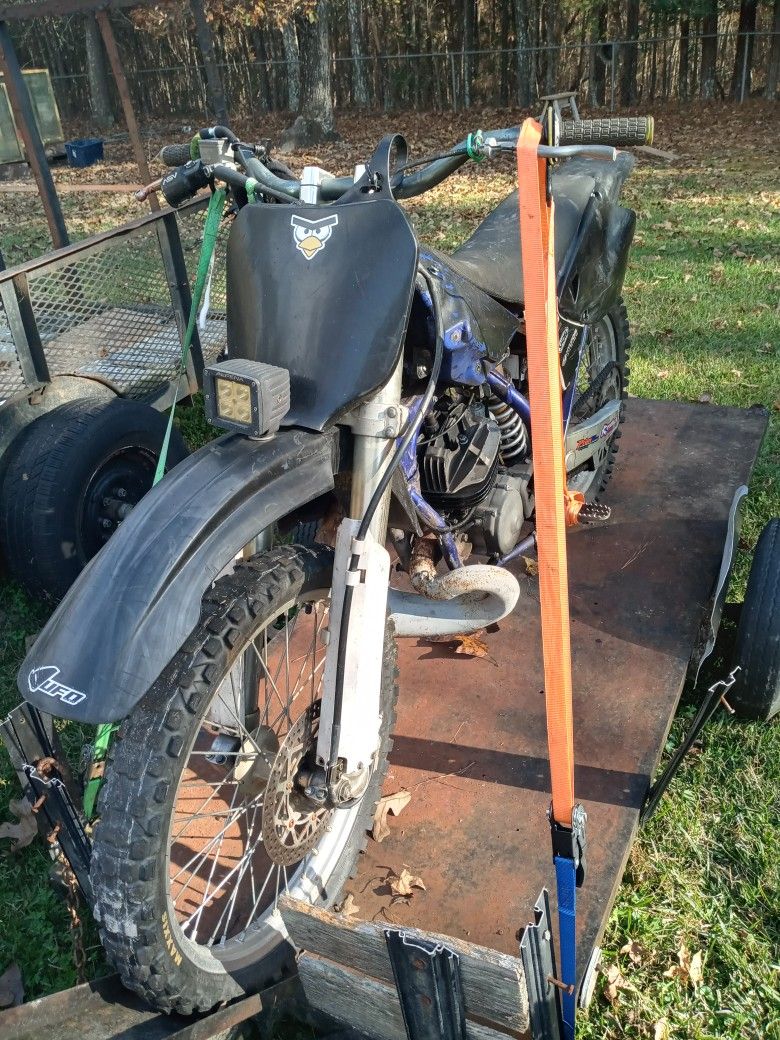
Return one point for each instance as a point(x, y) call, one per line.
point(384, 481)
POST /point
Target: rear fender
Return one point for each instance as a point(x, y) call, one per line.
point(136, 602)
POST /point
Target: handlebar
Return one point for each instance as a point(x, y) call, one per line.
point(595, 138)
point(175, 154)
point(618, 132)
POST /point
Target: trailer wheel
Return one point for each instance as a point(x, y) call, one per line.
point(75, 474)
point(756, 694)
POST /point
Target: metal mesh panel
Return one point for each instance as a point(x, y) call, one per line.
point(108, 314)
point(11, 380)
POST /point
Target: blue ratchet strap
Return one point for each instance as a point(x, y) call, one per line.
point(569, 859)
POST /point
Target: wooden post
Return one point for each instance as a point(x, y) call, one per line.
point(127, 105)
point(23, 115)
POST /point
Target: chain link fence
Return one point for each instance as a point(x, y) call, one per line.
point(666, 68)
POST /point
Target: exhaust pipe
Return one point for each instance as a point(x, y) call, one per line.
point(457, 603)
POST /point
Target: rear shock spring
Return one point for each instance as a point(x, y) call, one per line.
point(514, 437)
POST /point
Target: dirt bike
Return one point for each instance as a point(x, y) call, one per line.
point(375, 391)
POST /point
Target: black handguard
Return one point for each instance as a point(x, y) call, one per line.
point(619, 132)
point(184, 183)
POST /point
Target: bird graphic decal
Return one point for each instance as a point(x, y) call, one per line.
point(311, 235)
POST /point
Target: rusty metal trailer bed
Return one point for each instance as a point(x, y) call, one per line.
point(470, 745)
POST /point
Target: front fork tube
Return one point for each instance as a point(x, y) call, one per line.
point(375, 426)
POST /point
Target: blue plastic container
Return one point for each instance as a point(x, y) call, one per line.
point(84, 152)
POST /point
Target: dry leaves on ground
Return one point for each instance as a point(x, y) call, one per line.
point(661, 1030)
point(23, 832)
point(531, 566)
point(635, 951)
point(347, 907)
point(473, 646)
point(688, 968)
point(390, 803)
point(615, 982)
point(11, 987)
point(404, 884)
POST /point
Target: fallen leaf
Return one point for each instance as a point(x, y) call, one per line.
point(390, 803)
point(688, 968)
point(635, 951)
point(23, 832)
point(615, 982)
point(403, 885)
point(472, 646)
point(347, 906)
point(661, 1030)
point(687, 276)
point(531, 565)
point(705, 398)
point(11, 987)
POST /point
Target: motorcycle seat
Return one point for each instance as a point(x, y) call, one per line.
point(491, 257)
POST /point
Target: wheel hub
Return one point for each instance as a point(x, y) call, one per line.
point(292, 824)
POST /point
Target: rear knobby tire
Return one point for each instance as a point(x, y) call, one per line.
point(130, 865)
point(618, 317)
point(756, 693)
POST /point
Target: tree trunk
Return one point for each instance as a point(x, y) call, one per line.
point(360, 95)
point(293, 68)
point(628, 71)
point(597, 67)
point(709, 51)
point(550, 37)
point(685, 43)
point(215, 93)
point(525, 90)
point(99, 89)
point(315, 122)
point(773, 69)
point(743, 57)
point(469, 22)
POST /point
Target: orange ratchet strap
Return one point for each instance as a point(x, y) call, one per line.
point(555, 508)
point(553, 501)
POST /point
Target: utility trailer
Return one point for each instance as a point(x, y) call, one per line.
point(473, 954)
point(100, 321)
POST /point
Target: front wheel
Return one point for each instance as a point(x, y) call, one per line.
point(202, 826)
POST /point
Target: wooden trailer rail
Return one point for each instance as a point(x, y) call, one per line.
point(345, 970)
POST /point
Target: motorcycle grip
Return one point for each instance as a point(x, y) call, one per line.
point(618, 132)
point(175, 154)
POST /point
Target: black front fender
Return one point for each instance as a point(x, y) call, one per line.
point(137, 601)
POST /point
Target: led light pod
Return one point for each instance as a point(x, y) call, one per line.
point(245, 396)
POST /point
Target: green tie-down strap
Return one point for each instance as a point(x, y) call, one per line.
point(210, 232)
point(106, 731)
point(103, 737)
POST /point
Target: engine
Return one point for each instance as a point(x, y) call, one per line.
point(473, 468)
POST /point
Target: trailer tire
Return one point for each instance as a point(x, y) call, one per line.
point(756, 693)
point(73, 475)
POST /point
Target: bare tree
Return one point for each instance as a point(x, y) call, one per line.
point(215, 93)
point(773, 69)
point(99, 88)
point(628, 71)
point(359, 67)
point(315, 122)
point(293, 67)
point(709, 50)
point(525, 84)
point(743, 58)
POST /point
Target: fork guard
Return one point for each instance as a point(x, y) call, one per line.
point(133, 606)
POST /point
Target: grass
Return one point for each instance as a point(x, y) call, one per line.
point(702, 292)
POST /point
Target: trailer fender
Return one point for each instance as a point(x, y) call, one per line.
point(135, 603)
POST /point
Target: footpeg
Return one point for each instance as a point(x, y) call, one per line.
point(594, 513)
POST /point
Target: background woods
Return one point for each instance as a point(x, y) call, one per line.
point(248, 55)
